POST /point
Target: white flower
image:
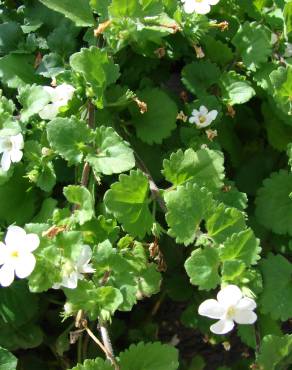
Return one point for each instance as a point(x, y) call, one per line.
point(229, 307)
point(72, 271)
point(203, 118)
point(60, 96)
point(16, 256)
point(199, 6)
point(11, 147)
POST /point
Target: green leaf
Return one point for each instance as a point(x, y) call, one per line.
point(7, 360)
point(281, 80)
point(277, 294)
point(128, 201)
point(275, 352)
point(67, 137)
point(97, 364)
point(149, 281)
point(33, 99)
point(79, 11)
point(10, 36)
point(223, 222)
point(187, 206)
point(17, 70)
point(202, 268)
point(95, 301)
point(27, 336)
point(199, 76)
point(235, 89)
point(98, 70)
point(159, 120)
point(51, 65)
point(204, 167)
point(10, 311)
point(149, 356)
point(288, 18)
point(274, 203)
point(111, 153)
point(18, 200)
point(242, 246)
point(253, 43)
point(80, 196)
point(217, 51)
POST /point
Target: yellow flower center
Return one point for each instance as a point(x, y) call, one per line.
point(230, 312)
point(199, 1)
point(202, 119)
point(14, 254)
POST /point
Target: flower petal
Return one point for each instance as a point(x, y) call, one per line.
point(6, 275)
point(16, 155)
point(84, 256)
point(194, 120)
point(213, 2)
point(49, 112)
point(5, 161)
point(211, 308)
point(222, 327)
point(31, 242)
point(3, 253)
point(203, 110)
point(15, 236)
point(246, 304)
point(70, 281)
point(25, 265)
point(202, 7)
point(212, 115)
point(244, 317)
point(189, 6)
point(229, 296)
point(4, 143)
point(17, 141)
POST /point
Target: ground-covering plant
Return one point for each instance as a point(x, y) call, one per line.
point(145, 184)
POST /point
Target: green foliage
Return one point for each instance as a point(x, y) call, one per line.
point(274, 203)
point(122, 178)
point(128, 201)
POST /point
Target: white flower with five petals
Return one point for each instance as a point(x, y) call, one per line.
point(229, 308)
point(203, 118)
point(60, 96)
point(199, 6)
point(11, 147)
point(16, 255)
point(72, 271)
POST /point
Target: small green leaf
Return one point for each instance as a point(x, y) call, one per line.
point(149, 356)
point(202, 268)
point(199, 76)
point(281, 80)
point(97, 364)
point(111, 153)
point(159, 120)
point(275, 352)
point(242, 246)
point(98, 70)
point(235, 89)
point(204, 167)
point(187, 206)
point(128, 200)
point(7, 360)
point(67, 136)
point(274, 203)
point(10, 36)
point(81, 196)
point(277, 294)
point(33, 99)
point(253, 43)
point(78, 11)
point(224, 222)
